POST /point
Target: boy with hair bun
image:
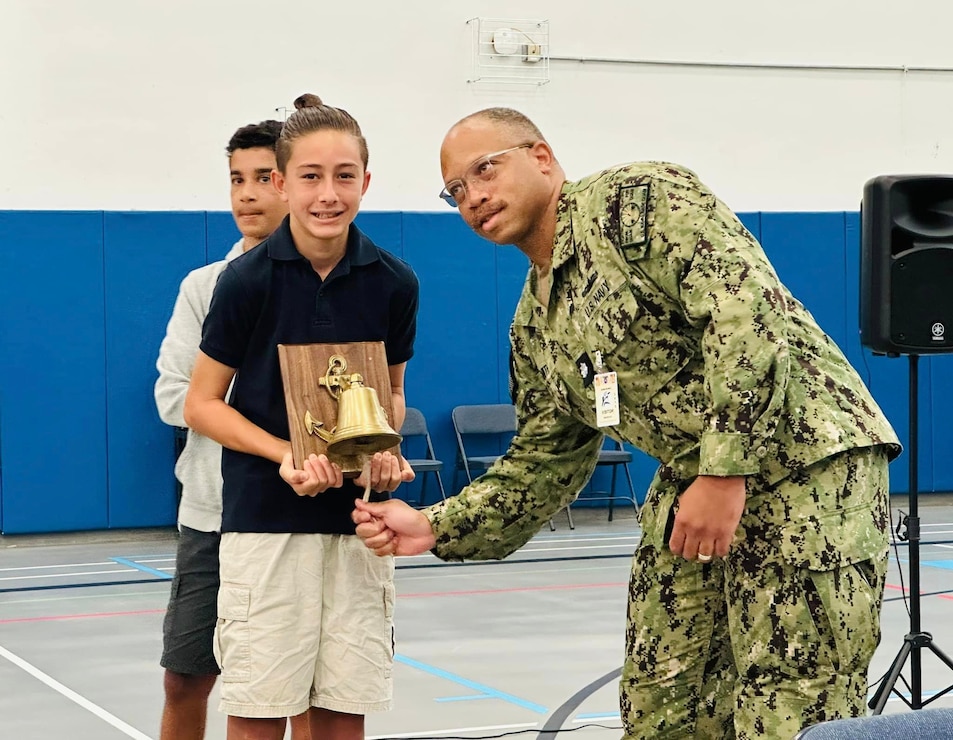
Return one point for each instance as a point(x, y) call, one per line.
point(305, 611)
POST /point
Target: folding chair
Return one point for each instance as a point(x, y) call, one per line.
point(616, 455)
point(924, 724)
point(487, 420)
point(417, 437)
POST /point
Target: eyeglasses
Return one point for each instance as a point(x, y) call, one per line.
point(483, 170)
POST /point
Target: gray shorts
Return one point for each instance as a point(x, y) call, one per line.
point(190, 618)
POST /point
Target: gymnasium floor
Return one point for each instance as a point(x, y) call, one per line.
point(523, 646)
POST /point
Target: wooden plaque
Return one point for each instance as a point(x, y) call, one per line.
point(303, 366)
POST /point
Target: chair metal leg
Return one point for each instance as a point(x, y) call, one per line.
point(569, 516)
point(635, 501)
point(615, 469)
point(443, 494)
point(421, 502)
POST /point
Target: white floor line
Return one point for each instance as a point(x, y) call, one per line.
point(572, 548)
point(47, 599)
point(454, 731)
point(409, 576)
point(57, 565)
point(85, 703)
point(66, 566)
point(70, 575)
point(576, 538)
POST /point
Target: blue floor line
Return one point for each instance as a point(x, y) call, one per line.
point(944, 564)
point(143, 568)
point(440, 673)
point(473, 697)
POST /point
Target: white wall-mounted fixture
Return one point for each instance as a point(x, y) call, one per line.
point(509, 51)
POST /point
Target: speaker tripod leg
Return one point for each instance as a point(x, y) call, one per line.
point(946, 660)
point(940, 654)
point(879, 700)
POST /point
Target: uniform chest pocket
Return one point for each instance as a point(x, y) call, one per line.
point(558, 389)
point(637, 339)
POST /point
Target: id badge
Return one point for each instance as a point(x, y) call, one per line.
point(606, 386)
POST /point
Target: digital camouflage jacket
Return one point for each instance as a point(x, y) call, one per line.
point(720, 370)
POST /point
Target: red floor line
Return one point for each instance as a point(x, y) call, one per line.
point(58, 617)
point(561, 587)
point(421, 595)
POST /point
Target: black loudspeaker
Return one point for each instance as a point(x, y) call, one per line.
point(906, 265)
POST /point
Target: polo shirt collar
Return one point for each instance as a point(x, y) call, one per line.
point(280, 244)
point(359, 251)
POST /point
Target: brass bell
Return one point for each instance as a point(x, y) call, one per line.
point(362, 427)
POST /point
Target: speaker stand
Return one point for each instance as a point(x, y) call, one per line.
point(916, 639)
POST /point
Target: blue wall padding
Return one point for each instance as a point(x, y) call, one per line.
point(220, 235)
point(457, 353)
point(807, 251)
point(511, 270)
point(85, 297)
point(385, 229)
point(940, 394)
point(144, 258)
point(53, 372)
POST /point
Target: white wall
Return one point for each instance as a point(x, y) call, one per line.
point(127, 104)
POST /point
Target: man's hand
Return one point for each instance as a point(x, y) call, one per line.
point(387, 472)
point(393, 528)
point(709, 512)
point(319, 474)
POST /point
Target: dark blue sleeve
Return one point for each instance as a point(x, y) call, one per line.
point(403, 320)
point(231, 319)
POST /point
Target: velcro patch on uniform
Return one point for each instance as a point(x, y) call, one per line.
point(633, 214)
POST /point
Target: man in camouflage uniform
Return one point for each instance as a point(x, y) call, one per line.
point(755, 592)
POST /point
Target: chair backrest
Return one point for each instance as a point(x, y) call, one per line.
point(489, 418)
point(924, 724)
point(417, 442)
point(415, 425)
point(489, 422)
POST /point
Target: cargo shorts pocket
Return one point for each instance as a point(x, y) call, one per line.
point(232, 633)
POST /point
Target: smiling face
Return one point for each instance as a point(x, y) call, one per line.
point(323, 183)
point(507, 208)
point(256, 205)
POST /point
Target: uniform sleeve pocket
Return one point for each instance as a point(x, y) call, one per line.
point(833, 540)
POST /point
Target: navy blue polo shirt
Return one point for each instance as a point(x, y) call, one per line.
point(269, 296)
